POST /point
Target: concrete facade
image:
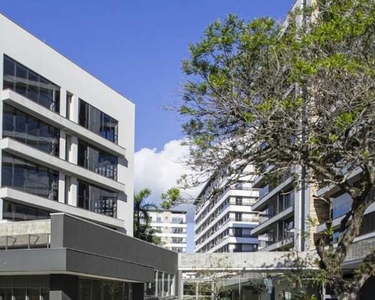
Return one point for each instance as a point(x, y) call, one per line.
point(223, 222)
point(75, 87)
point(171, 228)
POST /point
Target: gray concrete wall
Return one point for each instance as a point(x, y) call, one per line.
point(73, 233)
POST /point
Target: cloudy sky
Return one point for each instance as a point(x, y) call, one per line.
point(136, 47)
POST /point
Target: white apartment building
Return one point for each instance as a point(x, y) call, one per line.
point(67, 138)
point(171, 228)
point(223, 222)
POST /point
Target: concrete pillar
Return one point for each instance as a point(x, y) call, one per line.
point(74, 109)
point(61, 195)
point(138, 291)
point(180, 285)
point(73, 155)
point(63, 287)
point(156, 283)
point(62, 145)
point(73, 192)
point(63, 102)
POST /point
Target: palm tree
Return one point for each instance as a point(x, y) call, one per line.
point(141, 208)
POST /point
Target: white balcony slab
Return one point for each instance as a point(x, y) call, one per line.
point(60, 122)
point(280, 216)
point(55, 206)
point(37, 156)
point(261, 204)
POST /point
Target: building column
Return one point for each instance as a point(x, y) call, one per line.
point(74, 109)
point(156, 283)
point(73, 192)
point(63, 94)
point(180, 285)
point(63, 287)
point(61, 195)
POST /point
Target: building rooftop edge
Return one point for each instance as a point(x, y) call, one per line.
point(65, 57)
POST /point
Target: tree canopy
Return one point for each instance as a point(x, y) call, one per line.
point(298, 96)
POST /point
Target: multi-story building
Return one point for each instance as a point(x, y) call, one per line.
point(66, 195)
point(223, 222)
point(170, 226)
point(67, 138)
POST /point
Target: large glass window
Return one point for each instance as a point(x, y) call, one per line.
point(97, 160)
point(31, 85)
point(97, 121)
point(96, 199)
point(24, 287)
point(18, 212)
point(341, 205)
point(31, 131)
point(91, 289)
point(29, 177)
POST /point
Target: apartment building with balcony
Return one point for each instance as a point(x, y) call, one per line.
point(170, 226)
point(66, 194)
point(223, 221)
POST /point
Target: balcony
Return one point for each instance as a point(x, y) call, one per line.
point(37, 156)
point(278, 217)
point(58, 121)
point(286, 242)
point(270, 192)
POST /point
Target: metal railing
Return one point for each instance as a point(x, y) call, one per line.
point(26, 241)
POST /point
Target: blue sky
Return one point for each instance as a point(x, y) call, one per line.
point(136, 47)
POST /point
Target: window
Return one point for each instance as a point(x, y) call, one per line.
point(96, 199)
point(30, 131)
point(238, 232)
point(238, 217)
point(29, 177)
point(93, 289)
point(178, 220)
point(341, 205)
point(24, 81)
point(96, 121)
point(97, 160)
point(238, 200)
point(18, 212)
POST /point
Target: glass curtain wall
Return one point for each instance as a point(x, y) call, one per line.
point(30, 84)
point(31, 131)
point(19, 212)
point(96, 199)
point(97, 160)
point(90, 289)
point(29, 177)
point(24, 287)
point(96, 121)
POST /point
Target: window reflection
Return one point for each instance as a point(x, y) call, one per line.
point(96, 199)
point(29, 177)
point(96, 121)
point(31, 85)
point(29, 130)
point(97, 160)
point(92, 289)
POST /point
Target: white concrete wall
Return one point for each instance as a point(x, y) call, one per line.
point(20, 45)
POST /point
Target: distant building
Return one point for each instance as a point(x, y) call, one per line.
point(223, 222)
point(171, 228)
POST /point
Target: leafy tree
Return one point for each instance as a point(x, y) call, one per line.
point(142, 228)
point(170, 198)
point(299, 98)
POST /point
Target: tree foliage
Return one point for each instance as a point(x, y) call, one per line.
point(142, 228)
point(300, 99)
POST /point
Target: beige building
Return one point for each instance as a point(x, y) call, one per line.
point(171, 228)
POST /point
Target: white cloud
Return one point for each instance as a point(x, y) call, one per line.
point(160, 170)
